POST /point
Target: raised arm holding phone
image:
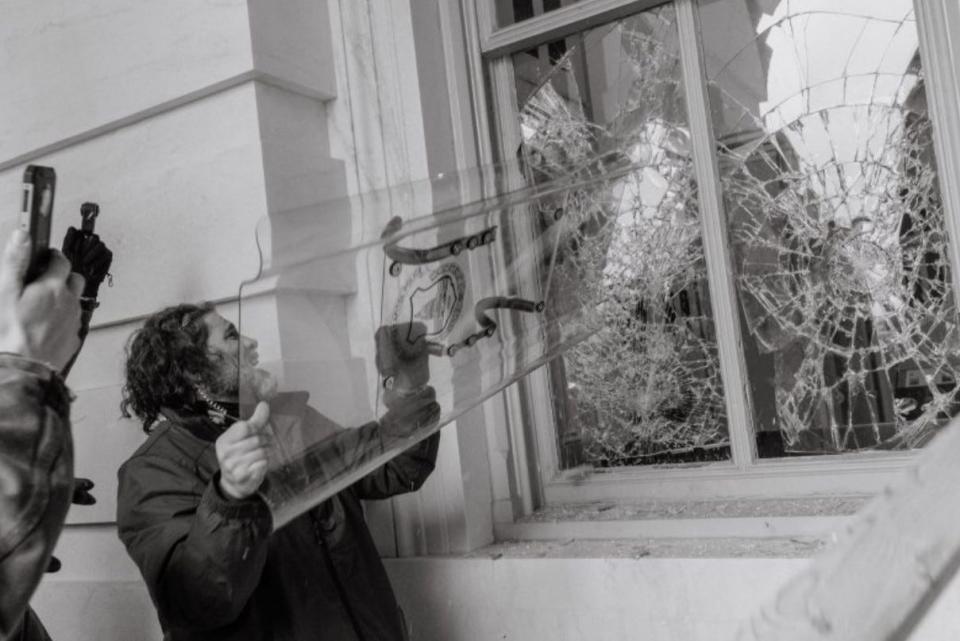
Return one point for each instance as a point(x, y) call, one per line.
point(39, 327)
point(45, 306)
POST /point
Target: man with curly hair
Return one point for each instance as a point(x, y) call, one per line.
point(190, 516)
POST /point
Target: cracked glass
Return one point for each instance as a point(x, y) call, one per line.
point(645, 387)
point(835, 220)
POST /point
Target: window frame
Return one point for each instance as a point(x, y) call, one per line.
point(529, 411)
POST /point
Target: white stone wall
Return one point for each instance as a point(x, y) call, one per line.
point(483, 599)
point(161, 114)
point(188, 121)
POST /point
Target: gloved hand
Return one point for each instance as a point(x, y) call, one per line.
point(403, 357)
point(53, 565)
point(403, 361)
point(410, 413)
point(81, 492)
point(89, 257)
point(81, 496)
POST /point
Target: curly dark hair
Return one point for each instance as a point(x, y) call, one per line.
point(164, 360)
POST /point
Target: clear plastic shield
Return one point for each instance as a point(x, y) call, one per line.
point(383, 317)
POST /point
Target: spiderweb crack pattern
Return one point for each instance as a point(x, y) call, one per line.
point(838, 232)
point(645, 386)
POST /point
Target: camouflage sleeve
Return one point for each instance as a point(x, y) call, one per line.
point(36, 470)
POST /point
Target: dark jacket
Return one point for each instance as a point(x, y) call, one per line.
point(215, 572)
point(36, 482)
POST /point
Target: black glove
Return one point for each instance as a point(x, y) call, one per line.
point(411, 413)
point(81, 492)
point(403, 357)
point(89, 257)
point(403, 361)
point(81, 496)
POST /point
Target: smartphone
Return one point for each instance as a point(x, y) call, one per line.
point(39, 186)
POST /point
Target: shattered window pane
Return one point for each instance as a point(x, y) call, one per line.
point(645, 387)
point(835, 220)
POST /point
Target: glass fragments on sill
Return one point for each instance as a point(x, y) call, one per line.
point(836, 222)
point(645, 387)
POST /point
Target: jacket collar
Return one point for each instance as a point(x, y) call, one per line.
point(194, 420)
point(285, 407)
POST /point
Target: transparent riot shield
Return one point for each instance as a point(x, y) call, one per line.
point(382, 317)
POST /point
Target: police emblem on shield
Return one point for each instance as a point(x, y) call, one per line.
point(430, 303)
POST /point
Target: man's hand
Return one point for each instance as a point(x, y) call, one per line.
point(89, 257)
point(242, 454)
point(408, 414)
point(81, 492)
point(42, 320)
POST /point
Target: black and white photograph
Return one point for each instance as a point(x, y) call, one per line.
point(479, 320)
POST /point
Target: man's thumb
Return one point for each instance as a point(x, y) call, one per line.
point(14, 263)
point(260, 416)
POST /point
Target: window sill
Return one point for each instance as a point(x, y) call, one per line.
point(825, 476)
point(803, 520)
point(653, 548)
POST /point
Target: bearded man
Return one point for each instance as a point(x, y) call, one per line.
point(190, 517)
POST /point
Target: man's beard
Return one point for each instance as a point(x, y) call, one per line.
point(242, 384)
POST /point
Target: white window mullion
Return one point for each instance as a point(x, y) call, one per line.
point(723, 295)
point(938, 24)
point(485, 13)
point(528, 402)
point(477, 26)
